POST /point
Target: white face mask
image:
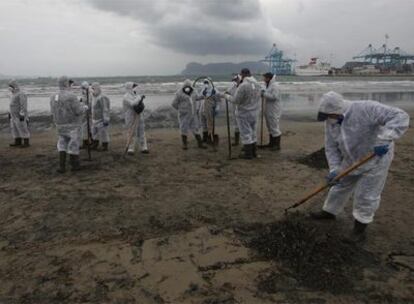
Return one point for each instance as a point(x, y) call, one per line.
point(11, 89)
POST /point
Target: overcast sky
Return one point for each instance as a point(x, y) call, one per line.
point(159, 37)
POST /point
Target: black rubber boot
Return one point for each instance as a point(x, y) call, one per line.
point(269, 145)
point(322, 215)
point(185, 143)
point(17, 142)
point(236, 139)
point(104, 147)
point(205, 137)
point(254, 151)
point(74, 162)
point(146, 151)
point(95, 145)
point(62, 162)
point(358, 233)
point(276, 143)
point(200, 142)
point(26, 143)
point(247, 152)
point(216, 140)
point(209, 139)
point(85, 144)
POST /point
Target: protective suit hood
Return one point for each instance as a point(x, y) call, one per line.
point(85, 85)
point(187, 83)
point(129, 87)
point(96, 87)
point(63, 82)
point(13, 83)
point(333, 103)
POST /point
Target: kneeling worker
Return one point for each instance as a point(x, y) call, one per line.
point(352, 131)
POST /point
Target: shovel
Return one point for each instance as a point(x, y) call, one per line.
point(336, 179)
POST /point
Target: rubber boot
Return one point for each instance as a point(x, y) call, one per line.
point(358, 233)
point(209, 139)
point(95, 144)
point(74, 162)
point(254, 151)
point(200, 142)
point(185, 143)
point(216, 140)
point(276, 143)
point(247, 152)
point(85, 144)
point(62, 162)
point(146, 151)
point(269, 145)
point(322, 215)
point(26, 143)
point(205, 137)
point(17, 142)
point(236, 139)
point(104, 147)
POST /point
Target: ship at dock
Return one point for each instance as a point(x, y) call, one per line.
point(315, 67)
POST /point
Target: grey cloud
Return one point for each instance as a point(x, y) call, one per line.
point(199, 27)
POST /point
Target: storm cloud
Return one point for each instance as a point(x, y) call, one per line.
point(199, 27)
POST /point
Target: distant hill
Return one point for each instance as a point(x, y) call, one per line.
point(223, 68)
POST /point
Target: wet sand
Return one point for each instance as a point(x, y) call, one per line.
point(165, 227)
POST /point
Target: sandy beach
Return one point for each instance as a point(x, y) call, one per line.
point(173, 226)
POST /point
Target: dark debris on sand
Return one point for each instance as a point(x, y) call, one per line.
point(315, 160)
point(313, 257)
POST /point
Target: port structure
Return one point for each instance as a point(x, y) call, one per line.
point(278, 63)
point(384, 57)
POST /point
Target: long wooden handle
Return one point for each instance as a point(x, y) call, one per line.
point(261, 123)
point(337, 178)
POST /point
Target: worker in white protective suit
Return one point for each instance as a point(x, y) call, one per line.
point(352, 131)
point(272, 111)
point(184, 102)
point(235, 82)
point(18, 116)
point(133, 107)
point(85, 100)
point(247, 102)
point(67, 114)
point(100, 108)
point(210, 107)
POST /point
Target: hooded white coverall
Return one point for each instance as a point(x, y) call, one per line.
point(232, 108)
point(67, 114)
point(187, 115)
point(100, 114)
point(133, 122)
point(247, 102)
point(273, 108)
point(210, 105)
point(366, 124)
point(86, 101)
point(18, 112)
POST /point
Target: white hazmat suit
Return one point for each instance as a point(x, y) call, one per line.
point(100, 114)
point(18, 112)
point(134, 123)
point(247, 102)
point(85, 99)
point(365, 125)
point(185, 105)
point(67, 114)
point(273, 108)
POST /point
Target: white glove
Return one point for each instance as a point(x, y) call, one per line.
point(85, 107)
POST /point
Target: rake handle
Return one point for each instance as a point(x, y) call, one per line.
point(337, 178)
